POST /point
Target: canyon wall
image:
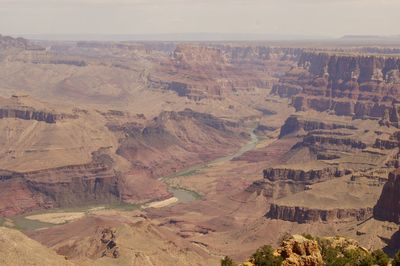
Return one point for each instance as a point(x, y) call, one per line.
point(388, 206)
point(341, 68)
point(32, 114)
point(199, 71)
point(312, 176)
point(296, 123)
point(307, 215)
point(361, 86)
point(175, 140)
point(66, 186)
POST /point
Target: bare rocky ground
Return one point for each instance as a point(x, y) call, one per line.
point(255, 141)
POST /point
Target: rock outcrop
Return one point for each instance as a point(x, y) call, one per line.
point(388, 206)
point(307, 215)
point(306, 250)
point(301, 251)
point(109, 243)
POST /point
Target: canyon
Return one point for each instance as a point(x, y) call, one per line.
point(181, 153)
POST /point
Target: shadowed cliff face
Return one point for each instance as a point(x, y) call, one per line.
point(388, 206)
point(18, 107)
point(32, 114)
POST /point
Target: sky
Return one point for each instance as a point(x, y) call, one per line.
point(316, 18)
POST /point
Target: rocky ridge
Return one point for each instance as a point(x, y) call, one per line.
point(7, 42)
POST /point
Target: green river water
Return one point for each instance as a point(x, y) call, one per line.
point(185, 195)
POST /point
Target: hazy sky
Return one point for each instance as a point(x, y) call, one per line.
point(285, 17)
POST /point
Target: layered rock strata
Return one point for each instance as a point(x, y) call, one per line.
point(200, 71)
point(346, 85)
point(308, 215)
point(296, 123)
point(312, 140)
point(312, 176)
point(65, 186)
point(32, 114)
point(280, 182)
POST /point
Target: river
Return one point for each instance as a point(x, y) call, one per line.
point(186, 195)
point(181, 194)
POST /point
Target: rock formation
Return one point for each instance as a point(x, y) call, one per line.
point(189, 132)
point(296, 123)
point(64, 186)
point(307, 215)
point(344, 84)
point(281, 182)
point(388, 206)
point(301, 251)
point(15, 107)
point(31, 114)
point(311, 176)
point(312, 140)
point(109, 241)
point(200, 71)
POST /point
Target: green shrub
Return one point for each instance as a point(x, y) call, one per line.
point(264, 256)
point(226, 261)
point(331, 256)
point(308, 236)
point(396, 259)
point(380, 258)
point(357, 257)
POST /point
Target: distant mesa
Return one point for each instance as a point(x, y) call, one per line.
point(7, 42)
